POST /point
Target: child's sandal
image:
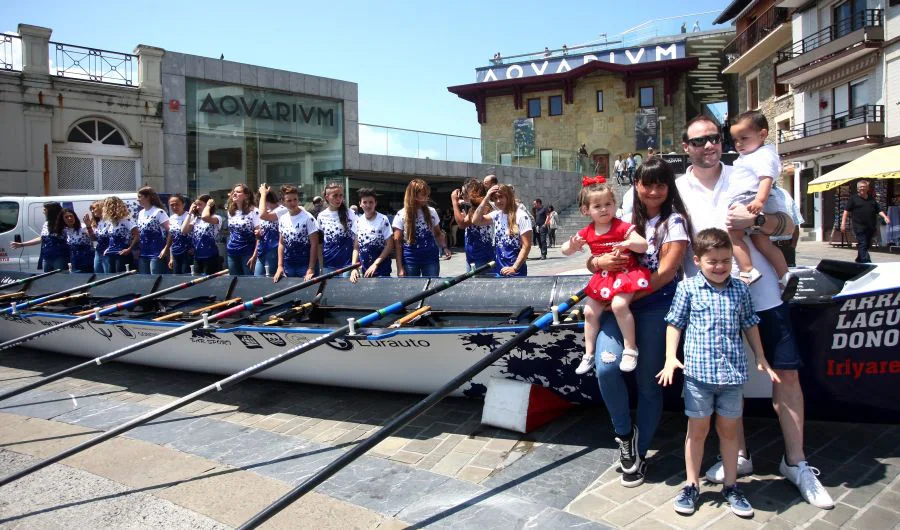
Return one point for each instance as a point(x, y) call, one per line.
point(750, 277)
point(629, 360)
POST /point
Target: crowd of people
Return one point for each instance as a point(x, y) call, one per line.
point(645, 293)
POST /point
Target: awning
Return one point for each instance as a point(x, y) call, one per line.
point(881, 163)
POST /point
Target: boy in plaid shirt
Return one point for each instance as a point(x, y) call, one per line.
point(714, 308)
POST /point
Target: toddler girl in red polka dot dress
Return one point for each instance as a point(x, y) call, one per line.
point(614, 290)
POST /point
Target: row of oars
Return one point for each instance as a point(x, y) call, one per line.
point(541, 323)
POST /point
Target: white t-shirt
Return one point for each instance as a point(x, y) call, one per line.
point(764, 162)
point(676, 230)
point(709, 209)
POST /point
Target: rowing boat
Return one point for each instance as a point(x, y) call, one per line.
point(844, 314)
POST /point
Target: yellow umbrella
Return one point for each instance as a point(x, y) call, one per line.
point(881, 163)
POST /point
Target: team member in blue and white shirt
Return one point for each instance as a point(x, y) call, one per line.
point(243, 220)
point(54, 253)
point(78, 239)
point(153, 230)
point(181, 250)
point(298, 242)
point(337, 223)
point(203, 226)
point(512, 230)
point(417, 227)
point(479, 238)
point(373, 231)
point(119, 232)
point(269, 213)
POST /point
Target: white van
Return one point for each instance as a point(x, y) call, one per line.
point(21, 219)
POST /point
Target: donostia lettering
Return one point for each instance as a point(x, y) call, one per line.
point(260, 109)
point(868, 322)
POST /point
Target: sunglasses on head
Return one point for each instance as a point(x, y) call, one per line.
point(700, 141)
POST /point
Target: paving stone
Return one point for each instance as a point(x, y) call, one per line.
point(422, 446)
point(711, 508)
point(486, 458)
point(889, 499)
point(776, 523)
point(470, 446)
point(499, 444)
point(627, 513)
point(473, 474)
point(820, 525)
point(799, 512)
point(861, 495)
point(389, 446)
point(875, 517)
point(591, 506)
point(407, 457)
point(451, 463)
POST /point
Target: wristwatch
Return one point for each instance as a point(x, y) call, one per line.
point(760, 220)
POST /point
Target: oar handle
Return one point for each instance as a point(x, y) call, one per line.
point(29, 303)
point(30, 278)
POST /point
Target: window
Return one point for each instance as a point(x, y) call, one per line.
point(534, 108)
point(546, 158)
point(599, 101)
point(646, 96)
point(784, 131)
point(753, 92)
point(781, 89)
point(505, 159)
point(9, 216)
point(95, 132)
point(555, 105)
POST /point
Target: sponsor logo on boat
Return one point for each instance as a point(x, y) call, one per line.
point(200, 336)
point(273, 338)
point(410, 343)
point(48, 323)
point(341, 344)
point(17, 318)
point(146, 332)
point(104, 332)
point(125, 331)
point(248, 341)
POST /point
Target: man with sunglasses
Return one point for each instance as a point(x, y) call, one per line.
point(704, 190)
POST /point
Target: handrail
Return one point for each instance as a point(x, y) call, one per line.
point(755, 32)
point(7, 53)
point(859, 20)
point(94, 64)
point(420, 131)
point(834, 122)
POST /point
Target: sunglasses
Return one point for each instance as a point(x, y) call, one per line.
point(700, 141)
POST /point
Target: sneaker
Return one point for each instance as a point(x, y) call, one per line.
point(686, 502)
point(635, 478)
point(805, 477)
point(788, 284)
point(629, 360)
point(740, 506)
point(629, 459)
point(587, 362)
point(716, 473)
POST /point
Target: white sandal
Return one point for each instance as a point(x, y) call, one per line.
point(750, 277)
point(629, 360)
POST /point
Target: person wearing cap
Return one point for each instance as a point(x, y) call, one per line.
point(318, 206)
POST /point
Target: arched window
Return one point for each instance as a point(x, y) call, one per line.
point(94, 131)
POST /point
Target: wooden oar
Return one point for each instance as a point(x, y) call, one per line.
point(290, 313)
point(61, 300)
point(28, 279)
point(107, 310)
point(33, 301)
point(200, 311)
point(169, 334)
point(406, 319)
point(12, 296)
point(230, 381)
point(407, 416)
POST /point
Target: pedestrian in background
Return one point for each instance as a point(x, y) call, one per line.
point(863, 209)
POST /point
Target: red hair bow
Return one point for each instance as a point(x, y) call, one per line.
point(587, 181)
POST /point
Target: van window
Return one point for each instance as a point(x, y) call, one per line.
point(9, 216)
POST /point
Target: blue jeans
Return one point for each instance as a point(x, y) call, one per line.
point(113, 263)
point(431, 269)
point(326, 270)
point(651, 342)
point(296, 271)
point(99, 265)
point(270, 258)
point(182, 264)
point(237, 265)
point(152, 265)
point(864, 240)
point(54, 264)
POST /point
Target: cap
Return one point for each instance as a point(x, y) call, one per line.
point(317, 199)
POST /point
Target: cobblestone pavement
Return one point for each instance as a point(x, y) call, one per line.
point(218, 461)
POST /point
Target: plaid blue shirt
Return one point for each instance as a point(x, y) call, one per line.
point(713, 348)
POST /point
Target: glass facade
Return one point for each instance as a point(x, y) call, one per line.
point(238, 134)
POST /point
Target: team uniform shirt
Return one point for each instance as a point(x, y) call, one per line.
point(81, 251)
point(117, 235)
point(337, 246)
point(764, 162)
point(506, 246)
point(151, 232)
point(709, 209)
point(242, 232)
point(424, 249)
point(713, 348)
point(181, 243)
point(604, 284)
point(295, 233)
point(479, 244)
point(102, 242)
point(373, 236)
point(268, 239)
point(204, 236)
point(52, 246)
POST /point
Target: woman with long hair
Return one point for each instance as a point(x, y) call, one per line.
point(202, 225)
point(153, 231)
point(479, 243)
point(553, 224)
point(661, 218)
point(81, 251)
point(337, 223)
point(91, 222)
point(418, 234)
point(119, 234)
point(54, 252)
point(298, 243)
point(512, 230)
point(178, 244)
point(243, 220)
point(270, 210)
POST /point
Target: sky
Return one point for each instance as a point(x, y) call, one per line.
point(403, 55)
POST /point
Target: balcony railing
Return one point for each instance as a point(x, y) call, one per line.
point(756, 32)
point(391, 141)
point(859, 20)
point(841, 120)
point(10, 52)
point(92, 64)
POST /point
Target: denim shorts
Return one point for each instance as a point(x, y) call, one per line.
point(701, 398)
point(777, 336)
